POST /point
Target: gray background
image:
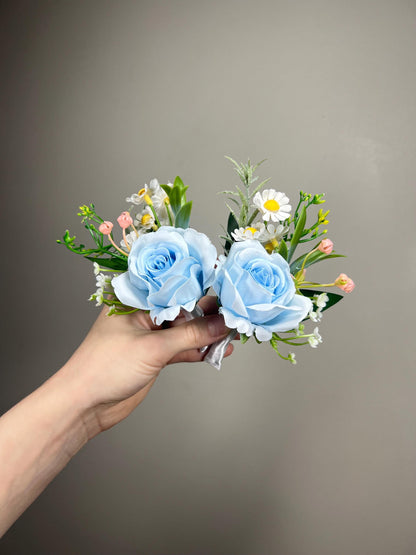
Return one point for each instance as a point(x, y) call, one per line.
point(262, 458)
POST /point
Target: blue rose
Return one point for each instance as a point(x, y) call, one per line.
point(168, 270)
point(257, 292)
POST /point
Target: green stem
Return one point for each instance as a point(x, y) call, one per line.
point(306, 258)
point(155, 215)
point(129, 312)
point(252, 217)
point(292, 343)
point(314, 284)
point(169, 215)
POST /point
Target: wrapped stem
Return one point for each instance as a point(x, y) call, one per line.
point(217, 350)
point(197, 312)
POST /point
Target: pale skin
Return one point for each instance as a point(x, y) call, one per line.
point(102, 383)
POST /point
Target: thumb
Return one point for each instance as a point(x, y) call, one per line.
point(194, 334)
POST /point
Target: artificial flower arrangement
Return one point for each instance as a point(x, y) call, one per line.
point(163, 266)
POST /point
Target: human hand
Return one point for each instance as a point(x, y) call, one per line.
point(116, 365)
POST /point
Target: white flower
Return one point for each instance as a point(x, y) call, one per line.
point(321, 300)
point(138, 198)
point(273, 231)
point(102, 281)
point(273, 205)
point(112, 310)
point(315, 338)
point(145, 218)
point(131, 237)
point(134, 199)
point(159, 199)
point(97, 268)
point(315, 316)
point(244, 233)
point(154, 185)
point(97, 296)
point(292, 358)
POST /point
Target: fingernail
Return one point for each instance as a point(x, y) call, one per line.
point(216, 325)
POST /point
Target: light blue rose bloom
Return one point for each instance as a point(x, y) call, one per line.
point(257, 292)
point(168, 269)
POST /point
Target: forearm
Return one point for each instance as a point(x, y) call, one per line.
point(38, 437)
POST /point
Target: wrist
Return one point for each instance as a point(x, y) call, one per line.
point(79, 401)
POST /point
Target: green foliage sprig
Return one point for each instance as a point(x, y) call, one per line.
point(181, 208)
point(106, 255)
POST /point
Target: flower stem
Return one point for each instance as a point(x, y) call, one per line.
point(116, 247)
point(314, 284)
point(169, 215)
point(254, 214)
point(125, 240)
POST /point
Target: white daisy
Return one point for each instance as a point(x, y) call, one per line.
point(273, 231)
point(273, 205)
point(145, 218)
point(250, 232)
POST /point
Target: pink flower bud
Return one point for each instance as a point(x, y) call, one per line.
point(105, 228)
point(326, 246)
point(125, 220)
point(344, 283)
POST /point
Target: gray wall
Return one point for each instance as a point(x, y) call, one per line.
point(263, 457)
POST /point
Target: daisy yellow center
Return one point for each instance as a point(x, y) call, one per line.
point(146, 219)
point(271, 205)
point(252, 229)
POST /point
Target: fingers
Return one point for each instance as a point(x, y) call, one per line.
point(209, 304)
point(193, 335)
point(195, 355)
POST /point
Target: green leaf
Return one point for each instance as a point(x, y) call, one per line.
point(315, 257)
point(175, 198)
point(232, 225)
point(334, 298)
point(283, 249)
point(297, 234)
point(178, 183)
point(183, 216)
point(96, 235)
point(244, 338)
point(113, 263)
point(167, 189)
